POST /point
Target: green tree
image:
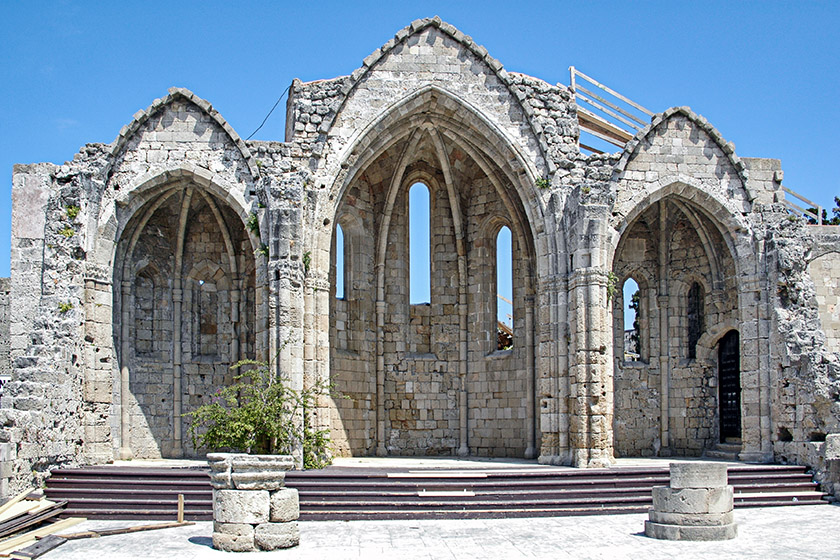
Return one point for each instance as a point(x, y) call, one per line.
point(634, 304)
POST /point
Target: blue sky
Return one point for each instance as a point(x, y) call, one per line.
point(764, 73)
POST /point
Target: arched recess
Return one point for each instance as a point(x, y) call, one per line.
point(668, 403)
point(402, 400)
point(204, 291)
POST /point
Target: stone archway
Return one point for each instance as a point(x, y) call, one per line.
point(436, 383)
point(185, 312)
point(666, 401)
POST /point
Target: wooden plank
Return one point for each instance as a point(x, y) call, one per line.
point(613, 92)
point(22, 522)
point(613, 106)
point(9, 545)
point(180, 508)
point(15, 500)
point(608, 112)
point(17, 509)
point(591, 149)
point(40, 548)
point(592, 121)
point(124, 530)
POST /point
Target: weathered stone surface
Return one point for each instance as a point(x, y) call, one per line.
point(698, 475)
point(235, 529)
point(285, 505)
point(233, 543)
point(271, 536)
point(241, 506)
point(258, 480)
point(832, 447)
point(691, 533)
point(693, 500)
point(691, 519)
point(248, 472)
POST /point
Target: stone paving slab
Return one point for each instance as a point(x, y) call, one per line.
point(801, 532)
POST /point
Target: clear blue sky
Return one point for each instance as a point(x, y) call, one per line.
point(764, 73)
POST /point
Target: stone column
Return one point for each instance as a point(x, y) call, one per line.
point(697, 506)
point(252, 509)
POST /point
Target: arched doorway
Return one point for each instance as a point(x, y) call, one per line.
point(729, 383)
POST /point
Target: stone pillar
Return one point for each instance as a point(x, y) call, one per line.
point(252, 508)
point(697, 506)
point(832, 464)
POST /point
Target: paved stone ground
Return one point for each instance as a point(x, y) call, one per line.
point(785, 532)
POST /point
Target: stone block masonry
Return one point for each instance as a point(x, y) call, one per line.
point(696, 506)
point(252, 509)
point(143, 269)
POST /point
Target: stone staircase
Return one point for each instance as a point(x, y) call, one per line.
point(726, 451)
point(345, 493)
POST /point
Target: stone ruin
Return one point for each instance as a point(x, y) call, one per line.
point(142, 269)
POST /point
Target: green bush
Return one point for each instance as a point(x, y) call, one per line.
point(259, 414)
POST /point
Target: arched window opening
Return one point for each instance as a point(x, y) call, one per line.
point(696, 319)
point(340, 267)
point(632, 321)
point(419, 254)
point(504, 290)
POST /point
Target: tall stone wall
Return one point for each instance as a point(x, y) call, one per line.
point(5, 321)
point(825, 272)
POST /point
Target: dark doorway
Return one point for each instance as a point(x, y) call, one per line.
point(729, 373)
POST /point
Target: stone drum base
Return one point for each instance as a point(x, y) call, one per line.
point(252, 509)
point(697, 506)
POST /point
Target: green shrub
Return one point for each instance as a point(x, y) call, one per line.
point(260, 414)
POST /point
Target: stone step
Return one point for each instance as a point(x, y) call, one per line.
point(376, 493)
point(721, 454)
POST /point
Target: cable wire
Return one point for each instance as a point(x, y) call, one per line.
point(276, 103)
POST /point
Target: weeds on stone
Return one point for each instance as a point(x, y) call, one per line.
point(307, 260)
point(612, 285)
point(262, 250)
point(64, 306)
point(543, 183)
point(67, 232)
point(258, 413)
point(253, 223)
point(72, 212)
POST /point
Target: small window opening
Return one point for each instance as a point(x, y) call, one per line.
point(632, 321)
point(419, 236)
point(504, 289)
point(340, 270)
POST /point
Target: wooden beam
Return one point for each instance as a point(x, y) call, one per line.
point(15, 500)
point(124, 530)
point(180, 508)
point(612, 105)
point(9, 545)
point(591, 149)
point(594, 122)
point(612, 92)
point(40, 548)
